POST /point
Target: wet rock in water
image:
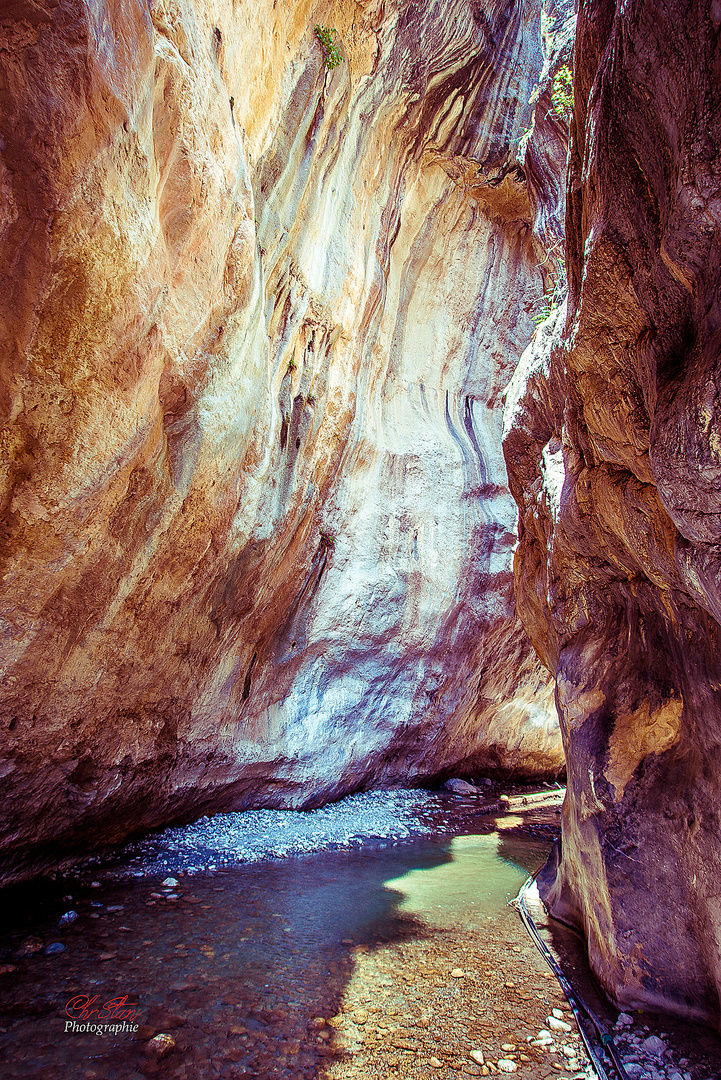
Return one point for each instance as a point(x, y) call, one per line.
point(30, 946)
point(506, 1065)
point(54, 948)
point(160, 1045)
point(68, 918)
point(460, 787)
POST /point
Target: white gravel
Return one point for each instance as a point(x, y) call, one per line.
point(227, 839)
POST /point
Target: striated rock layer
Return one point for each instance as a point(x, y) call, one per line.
point(613, 440)
point(256, 319)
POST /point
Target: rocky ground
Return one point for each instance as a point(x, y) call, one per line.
point(448, 1007)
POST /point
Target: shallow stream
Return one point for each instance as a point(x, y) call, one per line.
point(237, 963)
point(371, 939)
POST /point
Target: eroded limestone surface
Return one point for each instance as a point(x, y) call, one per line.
point(612, 442)
point(257, 317)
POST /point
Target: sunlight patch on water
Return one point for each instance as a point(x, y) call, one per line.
point(478, 876)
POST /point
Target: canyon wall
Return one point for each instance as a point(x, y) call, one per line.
point(613, 442)
point(257, 316)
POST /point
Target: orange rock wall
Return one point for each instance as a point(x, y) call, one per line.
point(256, 320)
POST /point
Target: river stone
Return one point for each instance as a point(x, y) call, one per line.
point(460, 787)
point(30, 946)
point(160, 1045)
point(653, 1045)
point(557, 1025)
point(506, 1065)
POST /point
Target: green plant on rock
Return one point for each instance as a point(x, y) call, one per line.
point(562, 94)
point(555, 286)
point(326, 36)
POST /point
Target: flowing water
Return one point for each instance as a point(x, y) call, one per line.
point(242, 965)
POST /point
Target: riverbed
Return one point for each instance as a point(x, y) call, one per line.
point(372, 940)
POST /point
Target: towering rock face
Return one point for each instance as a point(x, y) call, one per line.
point(613, 440)
point(257, 315)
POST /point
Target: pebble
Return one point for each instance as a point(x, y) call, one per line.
point(54, 947)
point(624, 1020)
point(171, 883)
point(115, 907)
point(506, 1065)
point(653, 1045)
point(7, 969)
point(557, 1025)
point(160, 1045)
point(508, 1047)
point(30, 946)
point(477, 1056)
point(68, 918)
point(458, 973)
point(435, 1063)
point(557, 1013)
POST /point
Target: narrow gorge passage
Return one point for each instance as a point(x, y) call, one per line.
point(359, 382)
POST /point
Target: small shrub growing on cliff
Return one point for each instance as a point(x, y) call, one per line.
point(326, 35)
point(562, 94)
point(555, 286)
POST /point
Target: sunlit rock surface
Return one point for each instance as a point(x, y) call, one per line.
point(257, 317)
point(614, 453)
